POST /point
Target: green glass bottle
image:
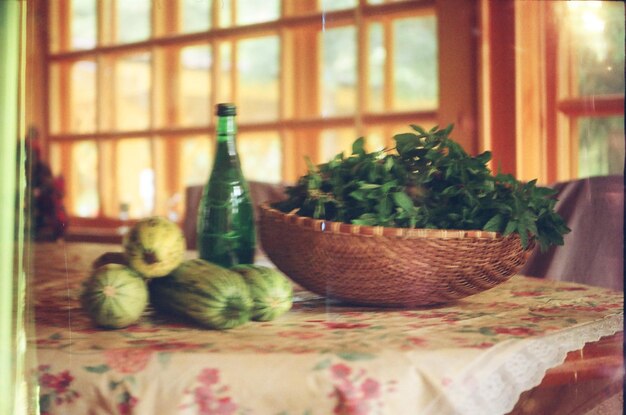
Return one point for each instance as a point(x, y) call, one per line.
point(226, 228)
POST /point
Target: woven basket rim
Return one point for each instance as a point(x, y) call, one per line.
point(332, 227)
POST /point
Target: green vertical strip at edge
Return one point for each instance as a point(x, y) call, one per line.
point(12, 300)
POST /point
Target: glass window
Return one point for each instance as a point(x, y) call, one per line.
point(198, 155)
point(133, 20)
point(255, 11)
point(84, 179)
point(336, 141)
point(416, 83)
point(338, 89)
point(132, 92)
point(224, 86)
point(598, 35)
point(600, 146)
point(83, 97)
point(73, 97)
point(83, 24)
point(376, 61)
point(147, 95)
point(258, 73)
point(196, 15)
point(134, 175)
point(195, 85)
point(261, 156)
point(328, 5)
point(224, 12)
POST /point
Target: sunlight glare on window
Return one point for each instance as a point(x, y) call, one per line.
point(597, 30)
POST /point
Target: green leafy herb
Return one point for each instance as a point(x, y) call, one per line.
point(426, 181)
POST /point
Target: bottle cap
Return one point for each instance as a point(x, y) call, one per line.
point(225, 109)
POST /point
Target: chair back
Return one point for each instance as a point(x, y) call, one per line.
point(593, 253)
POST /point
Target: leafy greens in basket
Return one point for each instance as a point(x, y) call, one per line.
point(429, 181)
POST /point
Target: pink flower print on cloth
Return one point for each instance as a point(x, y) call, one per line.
point(209, 397)
point(127, 360)
point(55, 389)
point(355, 393)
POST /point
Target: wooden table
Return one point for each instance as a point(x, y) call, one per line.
point(501, 351)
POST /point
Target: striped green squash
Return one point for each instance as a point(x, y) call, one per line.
point(114, 296)
point(207, 293)
point(271, 290)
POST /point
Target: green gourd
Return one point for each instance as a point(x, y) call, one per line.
point(271, 290)
point(209, 294)
point(114, 296)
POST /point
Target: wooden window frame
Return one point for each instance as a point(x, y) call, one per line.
point(294, 128)
point(547, 109)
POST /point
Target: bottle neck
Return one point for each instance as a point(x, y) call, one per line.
point(226, 132)
point(226, 128)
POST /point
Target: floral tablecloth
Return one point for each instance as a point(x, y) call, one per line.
point(475, 356)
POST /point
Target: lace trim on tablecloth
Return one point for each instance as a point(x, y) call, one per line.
point(493, 383)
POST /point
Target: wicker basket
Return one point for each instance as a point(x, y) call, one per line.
point(387, 266)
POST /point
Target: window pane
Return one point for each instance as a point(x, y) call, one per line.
point(598, 40)
point(133, 20)
point(179, 162)
point(327, 5)
point(376, 60)
point(339, 71)
point(134, 176)
point(255, 11)
point(83, 24)
point(83, 97)
point(224, 11)
point(336, 141)
point(197, 152)
point(195, 85)
point(196, 15)
point(260, 155)
point(73, 97)
point(132, 92)
point(376, 138)
point(83, 182)
point(258, 69)
point(601, 146)
point(416, 83)
point(54, 156)
point(224, 85)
